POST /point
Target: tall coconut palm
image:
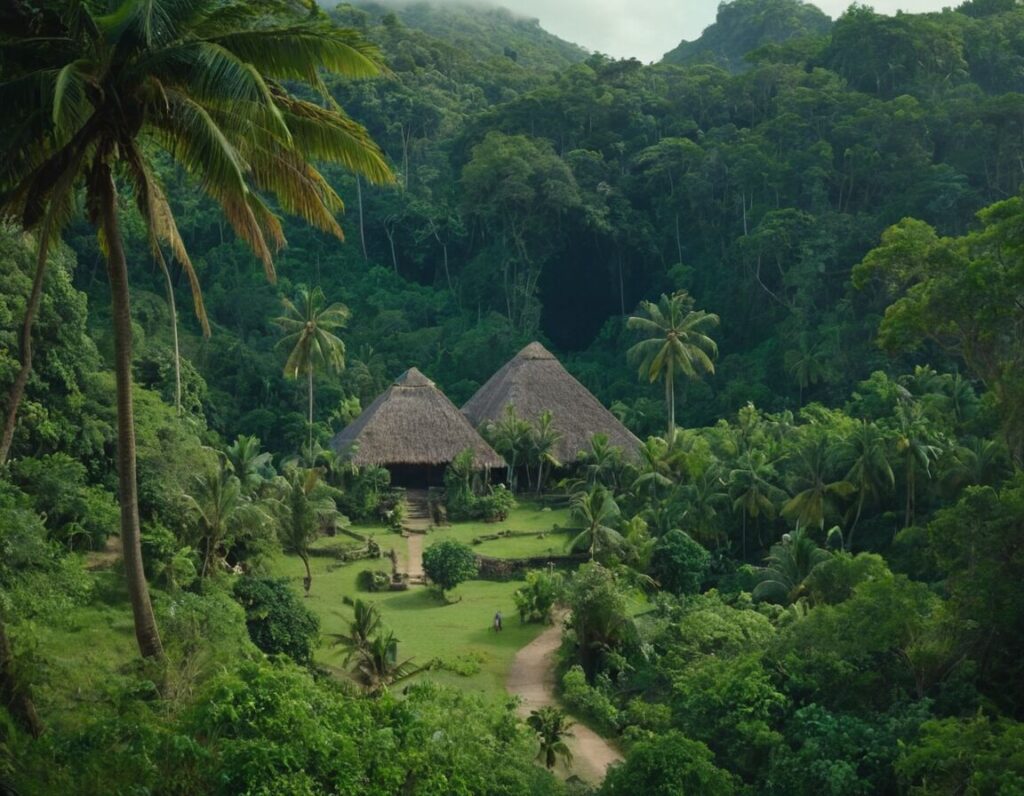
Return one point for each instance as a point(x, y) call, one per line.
point(869, 469)
point(543, 439)
point(101, 88)
point(598, 512)
point(917, 445)
point(753, 491)
point(304, 505)
point(511, 437)
point(552, 727)
point(309, 328)
point(815, 496)
point(222, 513)
point(676, 344)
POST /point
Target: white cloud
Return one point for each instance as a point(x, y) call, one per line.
point(647, 29)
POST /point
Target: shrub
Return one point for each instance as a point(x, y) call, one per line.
point(449, 563)
point(537, 598)
point(372, 580)
point(593, 703)
point(495, 506)
point(670, 763)
point(277, 620)
point(679, 563)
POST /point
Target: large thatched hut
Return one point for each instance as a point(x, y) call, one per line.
point(414, 431)
point(534, 381)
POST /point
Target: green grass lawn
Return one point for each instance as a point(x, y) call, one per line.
point(427, 628)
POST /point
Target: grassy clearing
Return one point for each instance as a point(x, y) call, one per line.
point(426, 628)
point(459, 633)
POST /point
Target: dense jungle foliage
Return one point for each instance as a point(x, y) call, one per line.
point(809, 579)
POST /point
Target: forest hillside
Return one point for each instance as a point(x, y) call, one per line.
point(788, 258)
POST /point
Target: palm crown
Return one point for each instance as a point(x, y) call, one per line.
point(676, 343)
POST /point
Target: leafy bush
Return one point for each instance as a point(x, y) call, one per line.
point(164, 559)
point(590, 702)
point(669, 764)
point(537, 598)
point(496, 505)
point(277, 620)
point(679, 563)
point(372, 580)
point(449, 563)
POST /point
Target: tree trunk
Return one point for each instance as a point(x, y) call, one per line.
point(856, 519)
point(146, 632)
point(12, 695)
point(18, 388)
point(174, 335)
point(909, 515)
point(670, 404)
point(362, 231)
point(307, 582)
point(309, 380)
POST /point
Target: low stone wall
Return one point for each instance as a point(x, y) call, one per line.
point(507, 568)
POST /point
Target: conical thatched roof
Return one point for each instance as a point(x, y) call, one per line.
point(534, 381)
point(412, 422)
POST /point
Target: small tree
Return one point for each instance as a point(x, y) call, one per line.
point(552, 728)
point(679, 563)
point(277, 620)
point(537, 598)
point(448, 564)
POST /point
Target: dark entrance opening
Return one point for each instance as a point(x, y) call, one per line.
point(416, 476)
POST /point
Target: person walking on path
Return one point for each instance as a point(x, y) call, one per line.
point(497, 622)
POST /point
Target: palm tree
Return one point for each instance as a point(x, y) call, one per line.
point(977, 461)
point(916, 444)
point(365, 622)
point(815, 496)
point(552, 727)
point(752, 490)
point(598, 512)
point(808, 362)
point(304, 506)
point(377, 664)
point(511, 437)
point(100, 95)
point(870, 471)
point(543, 440)
point(247, 463)
point(789, 564)
point(309, 333)
point(222, 513)
point(676, 344)
point(602, 462)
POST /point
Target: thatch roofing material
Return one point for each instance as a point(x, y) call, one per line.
point(534, 381)
point(412, 422)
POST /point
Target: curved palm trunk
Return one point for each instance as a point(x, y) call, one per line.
point(307, 582)
point(146, 632)
point(670, 403)
point(908, 518)
point(12, 695)
point(18, 388)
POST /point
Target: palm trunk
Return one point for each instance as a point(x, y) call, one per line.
point(12, 695)
point(146, 632)
point(309, 381)
point(856, 519)
point(18, 388)
point(174, 334)
point(909, 515)
point(670, 404)
point(362, 231)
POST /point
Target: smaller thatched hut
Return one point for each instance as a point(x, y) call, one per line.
point(414, 431)
point(534, 381)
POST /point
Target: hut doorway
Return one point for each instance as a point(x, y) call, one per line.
point(416, 476)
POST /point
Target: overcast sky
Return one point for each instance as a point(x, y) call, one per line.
point(647, 29)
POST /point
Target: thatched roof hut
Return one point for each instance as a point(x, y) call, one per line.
point(534, 381)
point(412, 425)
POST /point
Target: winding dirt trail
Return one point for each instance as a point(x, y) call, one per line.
point(532, 679)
